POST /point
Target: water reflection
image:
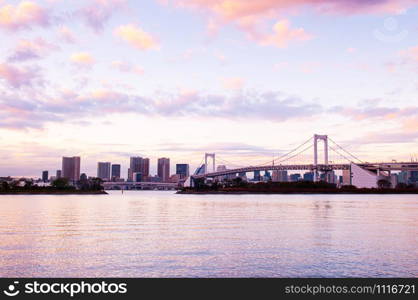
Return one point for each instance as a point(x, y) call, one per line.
point(145, 234)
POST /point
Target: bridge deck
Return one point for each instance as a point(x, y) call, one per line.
point(392, 166)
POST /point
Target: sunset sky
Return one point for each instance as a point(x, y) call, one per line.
point(110, 79)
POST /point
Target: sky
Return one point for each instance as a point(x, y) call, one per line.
point(248, 80)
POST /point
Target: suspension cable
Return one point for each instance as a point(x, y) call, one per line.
point(356, 158)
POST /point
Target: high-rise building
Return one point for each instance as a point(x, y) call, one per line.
point(71, 168)
point(103, 170)
point(44, 176)
point(164, 169)
point(413, 177)
point(294, 177)
point(182, 170)
point(59, 174)
point(308, 176)
point(145, 167)
point(346, 177)
point(279, 176)
point(138, 164)
point(137, 177)
point(257, 176)
point(115, 172)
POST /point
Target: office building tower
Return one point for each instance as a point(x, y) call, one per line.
point(58, 175)
point(71, 168)
point(346, 177)
point(164, 169)
point(279, 176)
point(257, 176)
point(138, 164)
point(115, 172)
point(44, 176)
point(295, 177)
point(308, 176)
point(103, 170)
point(182, 170)
point(137, 177)
point(221, 168)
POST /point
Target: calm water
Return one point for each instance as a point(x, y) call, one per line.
point(149, 234)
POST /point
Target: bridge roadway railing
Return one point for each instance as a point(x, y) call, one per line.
point(309, 167)
point(393, 166)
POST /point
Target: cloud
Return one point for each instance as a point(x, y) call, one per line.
point(239, 10)
point(19, 77)
point(127, 68)
point(34, 111)
point(31, 49)
point(136, 37)
point(410, 55)
point(67, 35)
point(24, 15)
point(233, 83)
point(376, 112)
point(248, 15)
point(82, 59)
point(283, 35)
point(98, 12)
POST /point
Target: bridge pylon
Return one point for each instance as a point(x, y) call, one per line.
point(324, 138)
point(212, 156)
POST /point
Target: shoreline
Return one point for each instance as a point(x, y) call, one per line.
point(55, 193)
point(299, 193)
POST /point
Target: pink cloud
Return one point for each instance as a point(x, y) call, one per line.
point(233, 83)
point(283, 35)
point(31, 49)
point(67, 35)
point(127, 68)
point(23, 15)
point(136, 37)
point(82, 59)
point(248, 15)
point(98, 12)
point(241, 9)
point(411, 54)
point(18, 77)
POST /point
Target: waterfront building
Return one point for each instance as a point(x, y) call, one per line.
point(138, 164)
point(309, 176)
point(71, 168)
point(243, 176)
point(257, 176)
point(412, 177)
point(394, 180)
point(279, 176)
point(182, 170)
point(44, 176)
point(137, 177)
point(221, 168)
point(346, 177)
point(176, 178)
point(103, 170)
point(115, 172)
point(267, 176)
point(295, 177)
point(163, 169)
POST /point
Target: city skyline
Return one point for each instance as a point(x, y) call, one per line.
point(111, 79)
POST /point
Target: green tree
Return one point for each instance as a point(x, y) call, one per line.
point(5, 186)
point(60, 183)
